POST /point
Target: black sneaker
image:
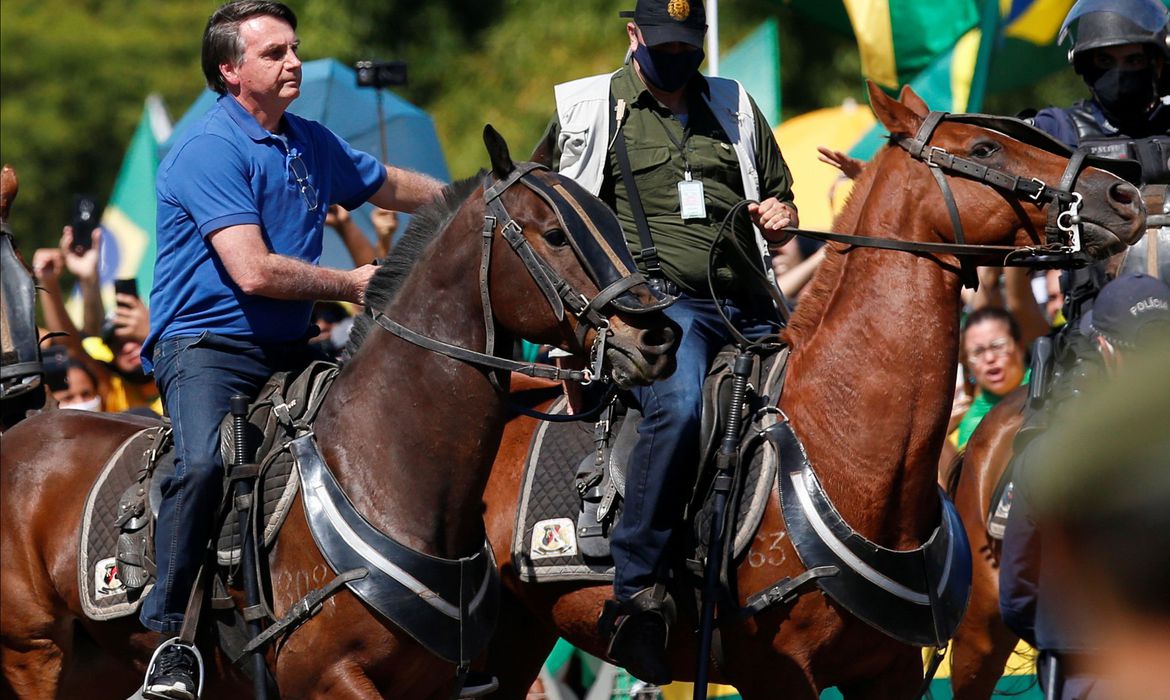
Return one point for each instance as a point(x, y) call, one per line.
point(174, 674)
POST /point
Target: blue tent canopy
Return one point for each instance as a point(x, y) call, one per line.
point(330, 95)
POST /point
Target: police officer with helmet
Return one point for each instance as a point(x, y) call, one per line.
point(1121, 49)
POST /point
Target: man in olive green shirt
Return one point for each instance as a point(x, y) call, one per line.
point(696, 146)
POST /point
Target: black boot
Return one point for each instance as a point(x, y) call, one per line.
point(637, 630)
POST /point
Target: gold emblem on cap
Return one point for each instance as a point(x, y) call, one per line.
point(678, 10)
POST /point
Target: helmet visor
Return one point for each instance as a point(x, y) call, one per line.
point(1148, 15)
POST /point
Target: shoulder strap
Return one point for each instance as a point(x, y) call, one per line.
point(648, 256)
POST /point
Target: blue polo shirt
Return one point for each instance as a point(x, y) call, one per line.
point(227, 170)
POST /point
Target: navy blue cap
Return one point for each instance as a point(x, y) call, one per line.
point(664, 21)
point(1129, 305)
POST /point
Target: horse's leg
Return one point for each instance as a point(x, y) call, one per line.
point(776, 680)
point(900, 682)
point(518, 649)
point(983, 642)
point(35, 629)
point(32, 667)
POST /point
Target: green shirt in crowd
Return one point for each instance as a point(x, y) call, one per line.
point(983, 402)
point(656, 140)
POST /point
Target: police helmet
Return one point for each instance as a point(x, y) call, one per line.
point(1092, 24)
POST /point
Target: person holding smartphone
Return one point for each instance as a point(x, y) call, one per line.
point(110, 353)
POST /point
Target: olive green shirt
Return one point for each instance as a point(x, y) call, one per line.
point(653, 136)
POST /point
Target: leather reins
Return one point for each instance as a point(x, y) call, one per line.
point(1062, 232)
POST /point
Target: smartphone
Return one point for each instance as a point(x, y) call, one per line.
point(55, 363)
point(85, 219)
point(126, 286)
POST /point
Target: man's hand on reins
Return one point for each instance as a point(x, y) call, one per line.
point(772, 216)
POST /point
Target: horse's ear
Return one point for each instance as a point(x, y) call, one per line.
point(498, 151)
point(895, 116)
point(8, 187)
point(911, 99)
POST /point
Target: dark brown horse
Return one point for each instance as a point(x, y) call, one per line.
point(409, 433)
point(983, 643)
point(875, 344)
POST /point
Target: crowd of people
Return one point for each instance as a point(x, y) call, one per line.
point(233, 293)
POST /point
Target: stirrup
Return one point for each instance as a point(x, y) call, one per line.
point(478, 685)
point(141, 694)
point(626, 624)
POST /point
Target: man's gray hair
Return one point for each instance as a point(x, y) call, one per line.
point(221, 37)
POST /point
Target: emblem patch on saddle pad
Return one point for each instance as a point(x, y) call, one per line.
point(105, 578)
point(553, 538)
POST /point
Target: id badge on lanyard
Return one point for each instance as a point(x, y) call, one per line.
point(691, 203)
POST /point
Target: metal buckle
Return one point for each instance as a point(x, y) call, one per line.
point(1040, 192)
point(930, 156)
point(489, 225)
point(512, 229)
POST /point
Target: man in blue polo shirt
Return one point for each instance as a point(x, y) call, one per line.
point(242, 199)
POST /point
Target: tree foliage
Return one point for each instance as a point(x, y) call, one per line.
point(74, 74)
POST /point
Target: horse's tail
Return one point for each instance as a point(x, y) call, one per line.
point(954, 471)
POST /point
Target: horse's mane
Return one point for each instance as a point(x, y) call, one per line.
point(815, 298)
point(425, 224)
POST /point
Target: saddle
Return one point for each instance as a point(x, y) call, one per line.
point(116, 562)
point(575, 478)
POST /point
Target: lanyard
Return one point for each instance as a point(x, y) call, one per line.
point(680, 145)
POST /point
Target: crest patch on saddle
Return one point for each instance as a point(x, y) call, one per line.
point(553, 538)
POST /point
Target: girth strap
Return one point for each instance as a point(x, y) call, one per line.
point(301, 611)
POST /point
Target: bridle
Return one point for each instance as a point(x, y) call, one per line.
point(609, 265)
point(25, 373)
point(1062, 244)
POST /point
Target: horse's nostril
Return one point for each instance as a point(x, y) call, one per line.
point(658, 341)
point(1123, 193)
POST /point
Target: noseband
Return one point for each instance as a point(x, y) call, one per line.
point(558, 292)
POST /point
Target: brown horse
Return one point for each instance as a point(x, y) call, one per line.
point(874, 349)
point(983, 643)
point(409, 434)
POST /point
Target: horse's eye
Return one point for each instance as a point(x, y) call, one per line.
point(984, 150)
point(556, 237)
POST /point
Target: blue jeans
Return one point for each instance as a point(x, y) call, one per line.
point(663, 461)
point(197, 376)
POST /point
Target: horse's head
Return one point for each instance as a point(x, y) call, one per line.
point(568, 278)
point(1012, 184)
point(19, 341)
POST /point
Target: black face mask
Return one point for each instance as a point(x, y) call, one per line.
point(1125, 95)
point(667, 71)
